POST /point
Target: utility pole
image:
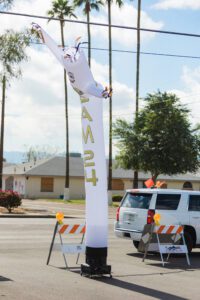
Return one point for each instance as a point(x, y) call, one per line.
point(2, 128)
point(110, 106)
point(135, 182)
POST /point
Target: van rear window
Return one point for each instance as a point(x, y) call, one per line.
point(137, 200)
point(168, 201)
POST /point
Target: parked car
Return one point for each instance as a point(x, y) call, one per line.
point(138, 207)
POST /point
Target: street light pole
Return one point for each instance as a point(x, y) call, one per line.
point(135, 183)
point(2, 128)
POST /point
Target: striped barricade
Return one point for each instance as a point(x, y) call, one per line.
point(170, 229)
point(165, 239)
point(68, 248)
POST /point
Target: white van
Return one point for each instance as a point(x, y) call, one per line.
point(138, 207)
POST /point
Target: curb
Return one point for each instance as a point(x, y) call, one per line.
point(33, 216)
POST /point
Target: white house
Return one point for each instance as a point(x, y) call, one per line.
point(46, 179)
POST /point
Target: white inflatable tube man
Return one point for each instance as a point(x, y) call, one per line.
point(81, 79)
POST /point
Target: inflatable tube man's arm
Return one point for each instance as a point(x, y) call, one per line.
point(57, 51)
point(76, 65)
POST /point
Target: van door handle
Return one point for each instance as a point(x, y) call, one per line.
point(127, 222)
point(195, 217)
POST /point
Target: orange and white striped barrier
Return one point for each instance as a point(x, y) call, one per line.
point(171, 229)
point(72, 229)
point(66, 248)
point(151, 240)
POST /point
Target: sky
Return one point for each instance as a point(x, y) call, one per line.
point(35, 112)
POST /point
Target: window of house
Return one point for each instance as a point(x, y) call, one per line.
point(47, 184)
point(117, 184)
point(168, 201)
point(194, 203)
point(187, 185)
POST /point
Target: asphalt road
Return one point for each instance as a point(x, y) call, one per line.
point(24, 275)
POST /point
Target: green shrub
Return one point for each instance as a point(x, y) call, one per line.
point(9, 200)
point(117, 198)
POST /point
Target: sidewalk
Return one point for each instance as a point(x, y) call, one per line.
point(47, 209)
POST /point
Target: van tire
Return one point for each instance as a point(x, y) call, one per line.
point(188, 241)
point(136, 244)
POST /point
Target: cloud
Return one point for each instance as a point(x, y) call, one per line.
point(125, 16)
point(177, 4)
point(37, 7)
point(35, 110)
point(190, 94)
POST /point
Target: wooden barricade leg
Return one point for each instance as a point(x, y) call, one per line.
point(187, 256)
point(161, 255)
point(81, 244)
point(65, 260)
point(174, 241)
point(184, 243)
point(147, 245)
point(52, 242)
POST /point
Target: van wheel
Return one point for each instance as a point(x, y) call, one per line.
point(188, 241)
point(136, 244)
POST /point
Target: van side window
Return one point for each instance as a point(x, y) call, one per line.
point(137, 200)
point(168, 201)
point(194, 203)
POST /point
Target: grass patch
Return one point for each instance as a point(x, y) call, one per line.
point(73, 201)
point(76, 201)
point(115, 204)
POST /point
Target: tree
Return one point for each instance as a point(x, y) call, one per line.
point(35, 153)
point(163, 135)
point(12, 53)
point(88, 6)
point(119, 3)
point(62, 9)
point(10, 200)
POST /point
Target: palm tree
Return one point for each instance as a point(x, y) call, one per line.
point(88, 6)
point(12, 53)
point(62, 9)
point(135, 181)
point(109, 3)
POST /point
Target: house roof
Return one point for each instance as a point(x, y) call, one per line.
point(55, 166)
point(6, 164)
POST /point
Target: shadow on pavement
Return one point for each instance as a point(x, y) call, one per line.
point(2, 278)
point(75, 269)
point(149, 274)
point(141, 289)
point(175, 260)
point(114, 281)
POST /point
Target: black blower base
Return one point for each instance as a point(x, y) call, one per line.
point(96, 265)
point(95, 271)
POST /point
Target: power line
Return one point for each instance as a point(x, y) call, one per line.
point(118, 26)
point(149, 53)
point(122, 27)
point(134, 52)
point(105, 25)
